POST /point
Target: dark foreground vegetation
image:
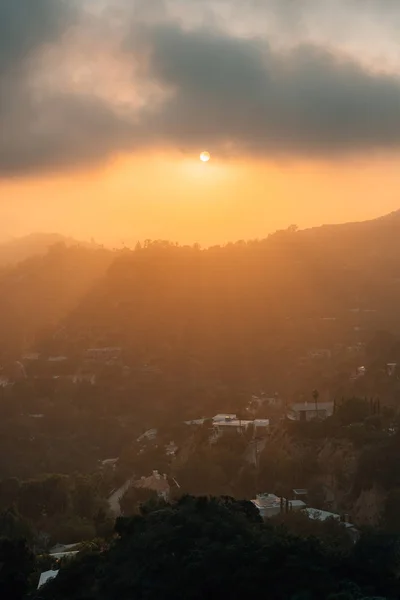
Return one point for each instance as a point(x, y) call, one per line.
point(218, 548)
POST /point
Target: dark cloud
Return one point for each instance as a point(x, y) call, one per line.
point(223, 92)
point(26, 25)
point(43, 130)
point(239, 91)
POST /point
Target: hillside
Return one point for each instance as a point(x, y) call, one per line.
point(37, 293)
point(19, 249)
point(244, 312)
point(247, 310)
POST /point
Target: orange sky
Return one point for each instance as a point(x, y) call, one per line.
point(176, 197)
point(251, 82)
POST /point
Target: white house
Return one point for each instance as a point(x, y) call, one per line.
point(323, 515)
point(229, 424)
point(224, 417)
point(269, 505)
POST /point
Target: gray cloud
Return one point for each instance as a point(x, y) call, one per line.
point(223, 92)
point(44, 130)
point(25, 25)
point(239, 91)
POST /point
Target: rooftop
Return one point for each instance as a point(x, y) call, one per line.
point(224, 417)
point(45, 576)
point(270, 500)
point(155, 482)
point(323, 515)
point(232, 423)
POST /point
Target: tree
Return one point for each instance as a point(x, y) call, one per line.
point(133, 498)
point(353, 410)
point(13, 526)
point(17, 563)
point(217, 548)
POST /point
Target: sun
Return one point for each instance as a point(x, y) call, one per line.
point(205, 156)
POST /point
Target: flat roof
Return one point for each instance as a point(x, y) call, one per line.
point(45, 576)
point(265, 501)
point(323, 515)
point(224, 416)
point(232, 423)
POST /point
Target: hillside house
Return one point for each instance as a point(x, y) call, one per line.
point(157, 483)
point(323, 515)
point(308, 411)
point(269, 505)
point(227, 424)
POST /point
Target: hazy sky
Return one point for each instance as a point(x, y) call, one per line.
point(105, 106)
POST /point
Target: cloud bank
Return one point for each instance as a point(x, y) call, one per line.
point(195, 83)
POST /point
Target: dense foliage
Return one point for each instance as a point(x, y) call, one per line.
point(218, 548)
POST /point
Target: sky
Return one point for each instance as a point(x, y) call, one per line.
point(105, 106)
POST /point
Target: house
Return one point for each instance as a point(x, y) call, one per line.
point(46, 576)
point(157, 483)
point(307, 411)
point(223, 417)
point(269, 505)
point(230, 424)
point(323, 515)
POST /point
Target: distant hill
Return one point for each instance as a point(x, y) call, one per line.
point(246, 310)
point(40, 291)
point(18, 249)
